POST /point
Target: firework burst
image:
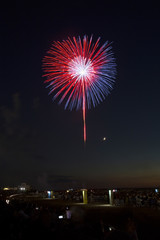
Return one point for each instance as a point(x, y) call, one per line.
point(79, 72)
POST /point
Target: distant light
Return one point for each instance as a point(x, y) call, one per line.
point(84, 194)
point(49, 194)
point(111, 197)
point(6, 188)
point(104, 139)
point(7, 201)
point(71, 189)
point(156, 190)
point(114, 190)
point(22, 188)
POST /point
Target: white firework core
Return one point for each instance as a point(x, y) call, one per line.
point(81, 68)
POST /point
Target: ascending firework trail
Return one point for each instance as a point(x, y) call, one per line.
point(79, 72)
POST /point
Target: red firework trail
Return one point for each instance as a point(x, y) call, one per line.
point(79, 72)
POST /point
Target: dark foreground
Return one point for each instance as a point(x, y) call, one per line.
point(51, 219)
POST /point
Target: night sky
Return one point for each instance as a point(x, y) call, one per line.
point(40, 142)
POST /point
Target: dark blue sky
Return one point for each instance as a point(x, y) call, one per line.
point(41, 143)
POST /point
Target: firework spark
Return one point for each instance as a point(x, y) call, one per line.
point(79, 72)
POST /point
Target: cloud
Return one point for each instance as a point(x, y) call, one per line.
point(42, 181)
point(56, 182)
point(20, 151)
point(36, 103)
point(10, 116)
